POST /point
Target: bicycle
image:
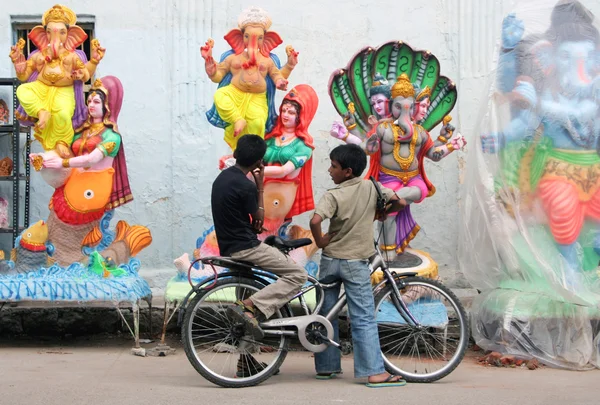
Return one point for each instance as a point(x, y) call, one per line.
point(411, 317)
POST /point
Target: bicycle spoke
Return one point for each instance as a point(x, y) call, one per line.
point(427, 351)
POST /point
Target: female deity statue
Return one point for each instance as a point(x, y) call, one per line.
point(55, 73)
point(94, 180)
point(288, 161)
point(247, 75)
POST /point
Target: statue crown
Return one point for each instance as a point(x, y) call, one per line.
point(425, 93)
point(254, 16)
point(379, 80)
point(403, 87)
point(99, 86)
point(59, 13)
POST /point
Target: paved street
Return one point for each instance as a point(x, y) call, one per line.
point(104, 372)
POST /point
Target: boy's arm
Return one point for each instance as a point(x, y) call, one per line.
point(258, 217)
point(395, 204)
point(315, 227)
point(325, 209)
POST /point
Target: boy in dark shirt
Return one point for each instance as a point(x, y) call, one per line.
point(234, 199)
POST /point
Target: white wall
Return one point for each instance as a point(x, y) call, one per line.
point(172, 151)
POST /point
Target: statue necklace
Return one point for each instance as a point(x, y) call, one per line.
point(286, 137)
point(404, 162)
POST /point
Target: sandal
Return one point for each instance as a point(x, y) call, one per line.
point(326, 376)
point(388, 382)
point(238, 312)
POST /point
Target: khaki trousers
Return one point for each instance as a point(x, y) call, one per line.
point(291, 277)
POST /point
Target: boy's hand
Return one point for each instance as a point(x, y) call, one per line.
point(325, 239)
point(257, 221)
point(259, 175)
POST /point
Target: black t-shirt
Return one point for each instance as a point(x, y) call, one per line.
point(233, 199)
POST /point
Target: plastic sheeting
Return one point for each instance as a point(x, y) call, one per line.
point(531, 236)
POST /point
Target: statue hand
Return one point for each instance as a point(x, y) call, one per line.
point(52, 162)
point(17, 57)
point(206, 50)
point(458, 142)
point(97, 51)
point(512, 31)
point(281, 84)
point(77, 74)
point(526, 92)
point(447, 131)
point(490, 142)
point(338, 130)
point(292, 56)
point(349, 120)
point(438, 153)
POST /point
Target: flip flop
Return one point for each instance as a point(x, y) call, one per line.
point(326, 376)
point(388, 382)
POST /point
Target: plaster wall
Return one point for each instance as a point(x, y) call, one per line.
point(172, 151)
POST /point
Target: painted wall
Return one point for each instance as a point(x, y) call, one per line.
point(172, 151)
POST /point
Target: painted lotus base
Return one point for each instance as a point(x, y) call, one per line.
point(75, 284)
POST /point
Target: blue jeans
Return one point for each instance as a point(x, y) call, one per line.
point(361, 308)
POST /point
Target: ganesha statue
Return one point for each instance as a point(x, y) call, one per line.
point(536, 192)
point(389, 117)
point(52, 97)
point(248, 75)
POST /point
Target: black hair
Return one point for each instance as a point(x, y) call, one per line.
point(102, 96)
point(350, 156)
point(250, 149)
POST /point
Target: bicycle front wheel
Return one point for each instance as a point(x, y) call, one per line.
point(433, 347)
point(219, 348)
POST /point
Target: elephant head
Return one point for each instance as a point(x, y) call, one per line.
point(57, 32)
point(253, 35)
point(568, 54)
point(403, 105)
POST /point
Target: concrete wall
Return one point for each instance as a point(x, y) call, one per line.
point(172, 151)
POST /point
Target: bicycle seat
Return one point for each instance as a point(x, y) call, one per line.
point(279, 243)
point(225, 261)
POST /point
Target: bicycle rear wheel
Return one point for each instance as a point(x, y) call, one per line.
point(219, 348)
point(435, 346)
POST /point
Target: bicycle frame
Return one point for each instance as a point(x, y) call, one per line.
point(302, 322)
point(274, 327)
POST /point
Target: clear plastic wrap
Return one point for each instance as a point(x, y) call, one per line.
point(531, 235)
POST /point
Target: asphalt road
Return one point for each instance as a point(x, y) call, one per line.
point(104, 372)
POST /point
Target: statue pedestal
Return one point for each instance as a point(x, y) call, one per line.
point(411, 261)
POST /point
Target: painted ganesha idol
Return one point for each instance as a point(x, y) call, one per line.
point(51, 97)
point(89, 185)
point(537, 192)
point(248, 76)
point(390, 97)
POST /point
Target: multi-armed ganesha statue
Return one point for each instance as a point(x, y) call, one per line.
point(84, 161)
point(390, 97)
point(248, 75)
point(536, 190)
point(52, 98)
